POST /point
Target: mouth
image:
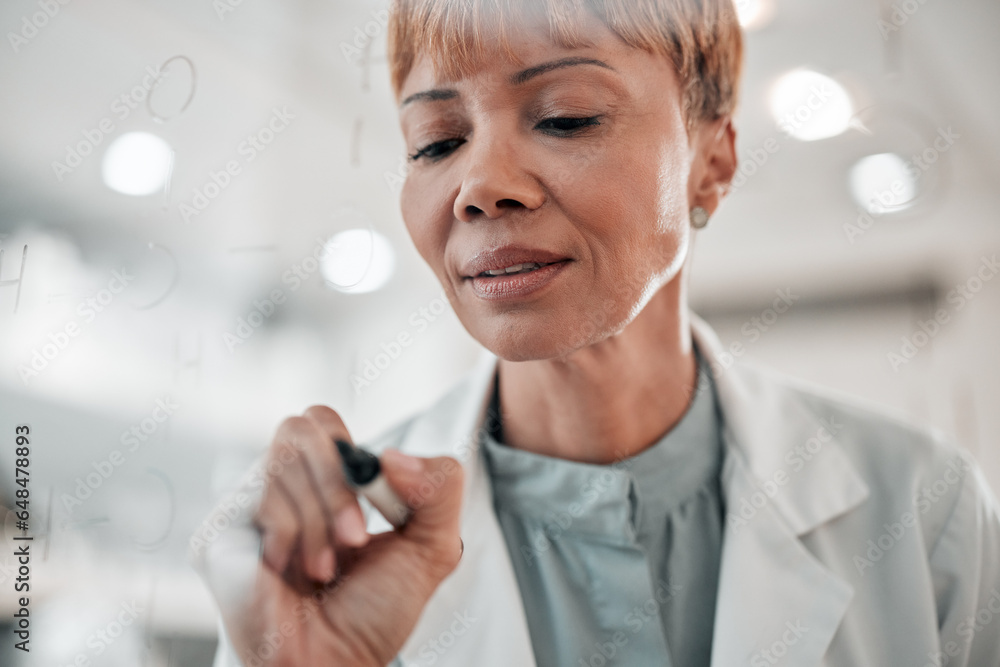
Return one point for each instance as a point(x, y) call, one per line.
point(513, 272)
point(510, 260)
point(517, 281)
point(515, 269)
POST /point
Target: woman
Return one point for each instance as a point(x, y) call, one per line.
point(607, 489)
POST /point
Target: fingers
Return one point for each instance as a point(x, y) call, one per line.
point(306, 498)
point(341, 502)
point(315, 529)
point(434, 493)
point(310, 512)
point(279, 526)
point(293, 513)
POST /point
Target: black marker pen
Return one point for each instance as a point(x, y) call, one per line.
point(363, 471)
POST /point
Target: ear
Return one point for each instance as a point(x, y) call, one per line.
point(714, 163)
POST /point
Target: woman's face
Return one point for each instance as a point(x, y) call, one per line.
point(577, 161)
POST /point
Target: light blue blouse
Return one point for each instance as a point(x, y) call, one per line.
point(618, 564)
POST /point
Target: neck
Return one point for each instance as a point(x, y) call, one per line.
point(610, 400)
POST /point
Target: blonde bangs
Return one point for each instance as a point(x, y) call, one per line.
point(702, 38)
point(454, 34)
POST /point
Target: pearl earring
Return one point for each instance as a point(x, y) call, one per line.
point(699, 217)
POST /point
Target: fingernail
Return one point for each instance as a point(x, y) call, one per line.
point(324, 565)
point(349, 525)
point(408, 463)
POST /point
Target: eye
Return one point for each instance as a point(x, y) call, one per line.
point(567, 125)
point(438, 149)
point(557, 126)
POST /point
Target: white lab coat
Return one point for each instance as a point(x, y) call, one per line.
point(851, 539)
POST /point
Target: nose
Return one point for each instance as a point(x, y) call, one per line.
point(496, 179)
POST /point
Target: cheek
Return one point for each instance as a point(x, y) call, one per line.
point(672, 191)
point(628, 210)
point(662, 220)
point(631, 208)
point(423, 221)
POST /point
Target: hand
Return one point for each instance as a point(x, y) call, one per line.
point(327, 592)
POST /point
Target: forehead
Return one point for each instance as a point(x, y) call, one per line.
point(525, 41)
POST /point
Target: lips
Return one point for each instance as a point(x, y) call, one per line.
point(513, 273)
point(524, 267)
point(509, 260)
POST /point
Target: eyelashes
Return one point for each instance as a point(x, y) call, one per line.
point(563, 124)
point(558, 126)
point(438, 149)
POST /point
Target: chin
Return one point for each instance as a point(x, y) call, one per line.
point(530, 348)
point(521, 337)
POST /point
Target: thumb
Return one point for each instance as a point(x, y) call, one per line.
point(432, 488)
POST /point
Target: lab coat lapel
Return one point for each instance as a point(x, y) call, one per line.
point(476, 616)
point(776, 600)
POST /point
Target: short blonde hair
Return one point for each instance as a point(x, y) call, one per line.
point(702, 38)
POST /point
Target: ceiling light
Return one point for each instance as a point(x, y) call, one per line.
point(358, 261)
point(137, 163)
point(754, 14)
point(809, 106)
point(883, 183)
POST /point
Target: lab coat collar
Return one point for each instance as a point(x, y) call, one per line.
point(807, 477)
point(774, 595)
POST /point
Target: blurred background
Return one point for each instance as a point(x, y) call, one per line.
point(200, 236)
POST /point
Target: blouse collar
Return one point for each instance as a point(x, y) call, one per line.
point(601, 500)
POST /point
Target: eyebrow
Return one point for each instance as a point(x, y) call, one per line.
point(518, 79)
